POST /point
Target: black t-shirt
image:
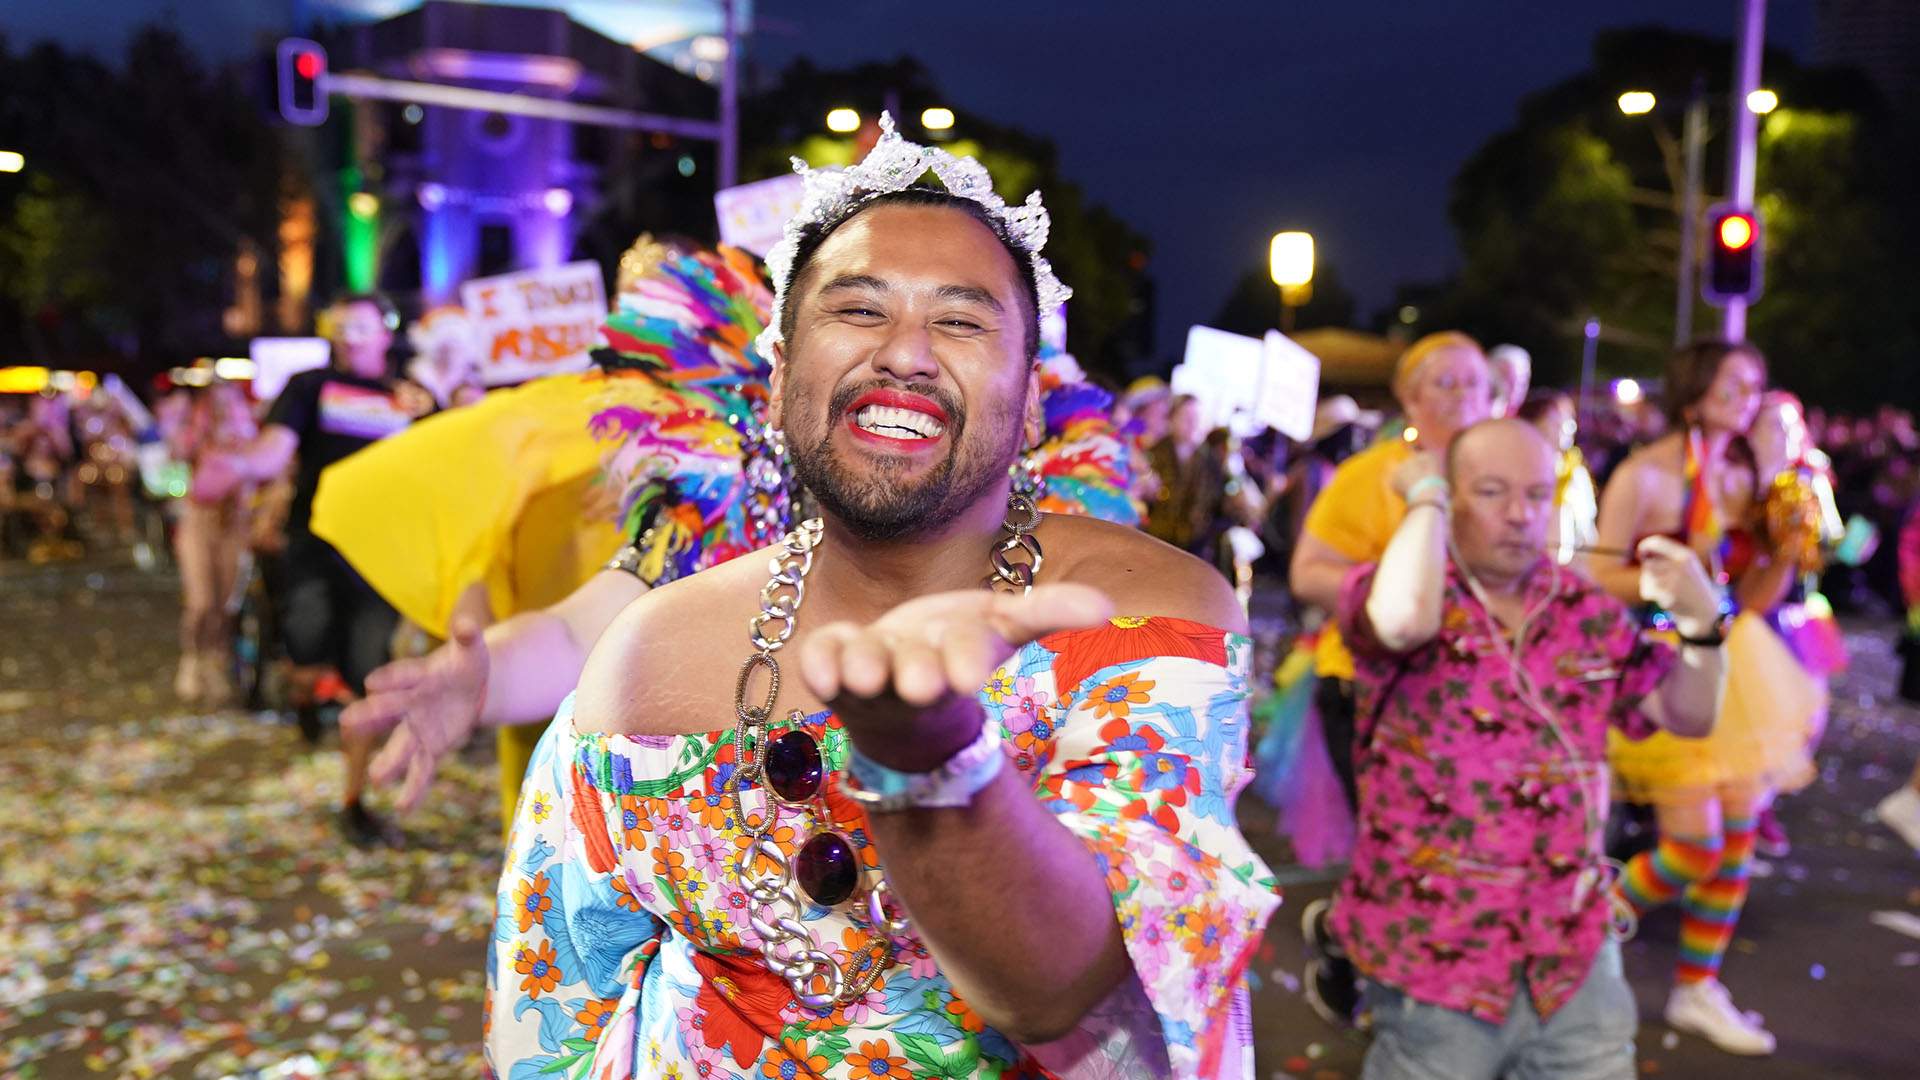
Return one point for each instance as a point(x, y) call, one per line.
point(334, 414)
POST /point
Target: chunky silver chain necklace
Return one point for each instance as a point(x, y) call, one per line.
point(793, 769)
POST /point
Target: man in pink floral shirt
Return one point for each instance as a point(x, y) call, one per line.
point(1487, 677)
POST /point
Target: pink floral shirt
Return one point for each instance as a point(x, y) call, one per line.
point(1474, 868)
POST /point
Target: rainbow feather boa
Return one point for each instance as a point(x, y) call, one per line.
point(688, 460)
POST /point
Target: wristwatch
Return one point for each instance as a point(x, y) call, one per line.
point(883, 789)
point(1715, 636)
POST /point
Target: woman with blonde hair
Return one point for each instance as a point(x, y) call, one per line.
point(1701, 484)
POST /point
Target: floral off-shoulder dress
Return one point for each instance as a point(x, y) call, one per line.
point(621, 946)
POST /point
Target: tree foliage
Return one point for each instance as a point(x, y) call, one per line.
point(1574, 212)
point(118, 240)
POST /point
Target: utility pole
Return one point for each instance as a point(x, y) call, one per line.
point(730, 98)
point(1745, 131)
point(1693, 140)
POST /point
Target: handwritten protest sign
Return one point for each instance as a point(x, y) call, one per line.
point(536, 322)
point(753, 216)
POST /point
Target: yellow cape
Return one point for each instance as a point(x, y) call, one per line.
point(498, 492)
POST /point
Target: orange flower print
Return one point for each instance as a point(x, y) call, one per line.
point(1118, 695)
point(633, 821)
point(712, 809)
point(781, 835)
point(790, 1061)
point(1203, 932)
point(594, 1017)
point(669, 864)
point(876, 1061)
point(964, 1018)
point(542, 975)
point(531, 902)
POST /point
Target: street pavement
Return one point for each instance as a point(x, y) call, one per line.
point(174, 900)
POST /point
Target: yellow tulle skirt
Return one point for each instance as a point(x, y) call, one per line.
point(1761, 735)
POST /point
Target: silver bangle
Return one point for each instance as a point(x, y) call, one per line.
point(882, 789)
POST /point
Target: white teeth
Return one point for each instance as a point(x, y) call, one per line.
point(898, 423)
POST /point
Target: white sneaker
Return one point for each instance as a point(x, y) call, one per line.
point(1900, 812)
point(1704, 1009)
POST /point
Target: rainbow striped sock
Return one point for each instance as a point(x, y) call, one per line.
point(1657, 876)
point(1711, 908)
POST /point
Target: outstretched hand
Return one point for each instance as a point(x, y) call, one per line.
point(431, 704)
point(904, 686)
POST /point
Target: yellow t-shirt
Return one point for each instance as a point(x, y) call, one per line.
point(1356, 515)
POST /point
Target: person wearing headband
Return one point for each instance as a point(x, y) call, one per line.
point(1488, 678)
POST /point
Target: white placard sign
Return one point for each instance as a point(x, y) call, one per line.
point(1223, 371)
point(754, 216)
point(1289, 387)
point(277, 359)
point(536, 322)
point(1248, 383)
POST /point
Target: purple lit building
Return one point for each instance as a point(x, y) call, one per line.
point(463, 193)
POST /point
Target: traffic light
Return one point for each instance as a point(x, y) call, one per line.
point(1733, 255)
point(303, 81)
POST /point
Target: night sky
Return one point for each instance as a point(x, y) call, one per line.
point(1208, 125)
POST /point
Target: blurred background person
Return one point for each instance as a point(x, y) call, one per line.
point(210, 535)
point(332, 621)
point(1189, 492)
point(1699, 485)
point(1576, 503)
point(1510, 371)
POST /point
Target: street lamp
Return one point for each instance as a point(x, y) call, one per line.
point(843, 121)
point(1636, 102)
point(1693, 148)
point(1290, 262)
point(1761, 102)
point(12, 161)
point(937, 119)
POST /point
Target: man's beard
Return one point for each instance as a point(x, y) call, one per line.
point(881, 505)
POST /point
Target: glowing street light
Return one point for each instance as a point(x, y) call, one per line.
point(1763, 101)
point(937, 119)
point(363, 205)
point(1627, 392)
point(1290, 259)
point(843, 121)
point(1290, 262)
point(1637, 102)
point(12, 161)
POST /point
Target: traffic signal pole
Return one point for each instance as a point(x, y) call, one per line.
point(1746, 129)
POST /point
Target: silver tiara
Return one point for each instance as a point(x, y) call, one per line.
point(895, 164)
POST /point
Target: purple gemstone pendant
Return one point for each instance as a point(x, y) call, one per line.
point(827, 869)
point(794, 767)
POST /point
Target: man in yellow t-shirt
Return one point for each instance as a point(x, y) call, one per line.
point(1442, 384)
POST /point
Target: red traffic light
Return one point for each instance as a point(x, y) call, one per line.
point(1737, 232)
point(1732, 263)
point(302, 79)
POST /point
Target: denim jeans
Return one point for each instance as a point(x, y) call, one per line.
point(1589, 1038)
